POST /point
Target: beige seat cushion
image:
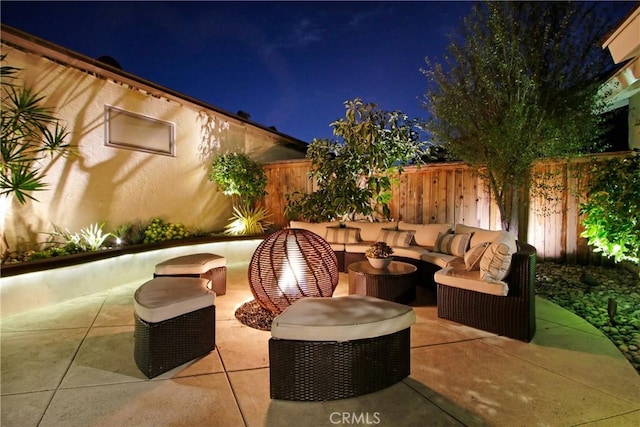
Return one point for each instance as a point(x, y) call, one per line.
point(412, 252)
point(470, 280)
point(369, 230)
point(441, 260)
point(425, 234)
point(167, 297)
point(341, 319)
point(191, 264)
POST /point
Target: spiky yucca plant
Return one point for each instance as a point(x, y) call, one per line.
point(247, 221)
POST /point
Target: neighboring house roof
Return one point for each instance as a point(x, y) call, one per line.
point(624, 46)
point(33, 44)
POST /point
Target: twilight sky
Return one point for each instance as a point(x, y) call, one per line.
point(288, 64)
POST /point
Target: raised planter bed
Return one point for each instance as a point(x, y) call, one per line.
point(33, 284)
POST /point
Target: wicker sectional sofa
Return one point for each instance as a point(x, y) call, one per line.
point(483, 278)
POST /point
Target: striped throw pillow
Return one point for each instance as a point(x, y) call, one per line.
point(399, 239)
point(473, 256)
point(452, 244)
point(495, 262)
point(342, 235)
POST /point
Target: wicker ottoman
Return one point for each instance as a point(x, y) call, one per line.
point(206, 266)
point(174, 323)
point(334, 348)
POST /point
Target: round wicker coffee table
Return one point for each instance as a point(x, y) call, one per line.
point(394, 283)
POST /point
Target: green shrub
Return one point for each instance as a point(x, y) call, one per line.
point(131, 233)
point(236, 174)
point(159, 231)
point(612, 222)
point(356, 171)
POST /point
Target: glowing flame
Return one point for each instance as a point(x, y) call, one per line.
point(292, 269)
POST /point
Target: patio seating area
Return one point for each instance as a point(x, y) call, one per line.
point(72, 364)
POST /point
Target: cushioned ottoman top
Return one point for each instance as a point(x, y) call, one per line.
point(341, 319)
point(167, 297)
point(191, 264)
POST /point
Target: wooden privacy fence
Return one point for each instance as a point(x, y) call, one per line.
point(453, 193)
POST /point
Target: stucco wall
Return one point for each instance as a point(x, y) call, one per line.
point(115, 185)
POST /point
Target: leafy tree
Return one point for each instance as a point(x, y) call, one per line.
point(236, 174)
point(612, 221)
point(239, 176)
point(519, 82)
point(355, 173)
point(29, 133)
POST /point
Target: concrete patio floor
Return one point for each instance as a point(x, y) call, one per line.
point(72, 364)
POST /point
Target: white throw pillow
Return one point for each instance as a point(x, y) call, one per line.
point(426, 234)
point(495, 262)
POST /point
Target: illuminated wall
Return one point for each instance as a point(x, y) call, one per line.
point(116, 185)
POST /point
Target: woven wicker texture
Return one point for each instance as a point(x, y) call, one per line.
point(160, 347)
point(398, 283)
point(329, 370)
point(513, 315)
point(291, 264)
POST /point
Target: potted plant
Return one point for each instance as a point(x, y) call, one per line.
point(379, 255)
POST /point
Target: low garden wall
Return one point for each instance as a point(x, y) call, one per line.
point(32, 285)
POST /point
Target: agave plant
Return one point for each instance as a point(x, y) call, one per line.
point(90, 238)
point(247, 220)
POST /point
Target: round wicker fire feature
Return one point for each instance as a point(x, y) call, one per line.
point(291, 264)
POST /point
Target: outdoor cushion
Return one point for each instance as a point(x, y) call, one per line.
point(342, 235)
point(190, 264)
point(425, 234)
point(412, 252)
point(357, 248)
point(369, 230)
point(495, 262)
point(482, 235)
point(473, 256)
point(436, 258)
point(470, 280)
point(345, 318)
point(395, 238)
point(166, 297)
point(454, 244)
point(337, 247)
point(320, 228)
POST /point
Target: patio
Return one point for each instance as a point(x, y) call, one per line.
point(72, 365)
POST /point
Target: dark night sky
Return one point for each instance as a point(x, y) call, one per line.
point(288, 64)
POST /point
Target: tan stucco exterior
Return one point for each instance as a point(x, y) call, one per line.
point(103, 184)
